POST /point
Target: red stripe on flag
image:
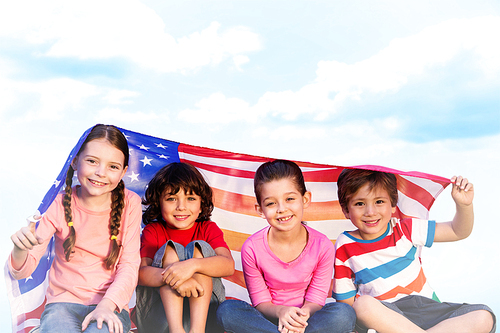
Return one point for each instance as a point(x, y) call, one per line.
point(214, 153)
point(234, 202)
point(237, 278)
point(36, 313)
point(415, 192)
point(321, 176)
point(400, 215)
point(222, 170)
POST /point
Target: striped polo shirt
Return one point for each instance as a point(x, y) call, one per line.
point(388, 267)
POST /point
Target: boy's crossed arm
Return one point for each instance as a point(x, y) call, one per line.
point(462, 193)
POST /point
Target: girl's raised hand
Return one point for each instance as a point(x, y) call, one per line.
point(462, 191)
point(25, 239)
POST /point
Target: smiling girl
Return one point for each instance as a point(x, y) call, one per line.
point(287, 266)
point(96, 226)
point(183, 255)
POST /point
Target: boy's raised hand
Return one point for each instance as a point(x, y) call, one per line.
point(462, 191)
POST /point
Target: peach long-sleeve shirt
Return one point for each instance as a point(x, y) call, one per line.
point(84, 279)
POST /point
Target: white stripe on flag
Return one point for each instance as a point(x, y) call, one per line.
point(411, 207)
point(426, 184)
point(221, 162)
point(232, 184)
point(236, 291)
point(238, 222)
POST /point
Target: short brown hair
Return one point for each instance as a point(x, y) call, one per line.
point(351, 180)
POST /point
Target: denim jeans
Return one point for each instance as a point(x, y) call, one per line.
point(149, 306)
point(68, 318)
point(240, 317)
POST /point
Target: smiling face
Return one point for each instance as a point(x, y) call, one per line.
point(180, 210)
point(370, 211)
point(282, 204)
point(99, 167)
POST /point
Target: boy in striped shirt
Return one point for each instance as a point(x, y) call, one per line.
point(377, 266)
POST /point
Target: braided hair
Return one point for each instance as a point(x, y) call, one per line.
point(116, 138)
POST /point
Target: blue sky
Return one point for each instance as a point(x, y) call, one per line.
point(404, 84)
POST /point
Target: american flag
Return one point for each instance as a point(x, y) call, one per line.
point(231, 177)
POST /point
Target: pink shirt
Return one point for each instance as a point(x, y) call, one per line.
point(307, 278)
point(84, 279)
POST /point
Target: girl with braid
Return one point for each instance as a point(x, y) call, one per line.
point(97, 237)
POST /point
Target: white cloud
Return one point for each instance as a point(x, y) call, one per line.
point(403, 60)
point(122, 29)
point(47, 100)
point(290, 132)
point(111, 115)
point(218, 109)
point(116, 96)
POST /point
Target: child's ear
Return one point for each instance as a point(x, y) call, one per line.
point(307, 199)
point(259, 210)
point(393, 210)
point(74, 163)
point(124, 171)
point(346, 213)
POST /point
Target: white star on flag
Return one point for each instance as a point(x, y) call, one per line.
point(134, 176)
point(146, 161)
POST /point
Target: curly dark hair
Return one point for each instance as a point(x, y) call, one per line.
point(169, 180)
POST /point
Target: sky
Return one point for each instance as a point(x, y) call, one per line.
point(403, 84)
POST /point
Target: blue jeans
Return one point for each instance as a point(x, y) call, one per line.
point(68, 318)
point(240, 317)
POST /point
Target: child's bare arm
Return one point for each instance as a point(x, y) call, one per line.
point(462, 193)
point(217, 266)
point(349, 301)
point(148, 275)
point(24, 240)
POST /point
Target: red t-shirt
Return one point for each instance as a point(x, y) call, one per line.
point(155, 235)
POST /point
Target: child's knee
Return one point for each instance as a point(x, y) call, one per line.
point(170, 256)
point(197, 252)
point(364, 305)
point(199, 249)
point(484, 320)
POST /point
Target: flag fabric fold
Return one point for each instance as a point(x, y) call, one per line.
point(231, 177)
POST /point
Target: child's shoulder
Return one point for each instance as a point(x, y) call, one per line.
point(257, 236)
point(317, 235)
point(131, 196)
